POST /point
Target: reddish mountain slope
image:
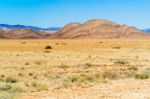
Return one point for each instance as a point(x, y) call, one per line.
point(1, 33)
point(24, 33)
point(98, 29)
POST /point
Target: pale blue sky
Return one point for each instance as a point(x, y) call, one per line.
point(47, 13)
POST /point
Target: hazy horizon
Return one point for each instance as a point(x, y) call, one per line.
point(49, 13)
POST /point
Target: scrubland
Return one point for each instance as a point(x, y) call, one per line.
point(74, 69)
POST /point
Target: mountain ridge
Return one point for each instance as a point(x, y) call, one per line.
point(146, 30)
point(18, 26)
point(99, 29)
point(92, 29)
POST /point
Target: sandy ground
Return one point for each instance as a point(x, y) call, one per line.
point(119, 89)
point(69, 57)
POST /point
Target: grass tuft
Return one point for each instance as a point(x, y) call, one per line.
point(141, 76)
point(10, 79)
point(39, 86)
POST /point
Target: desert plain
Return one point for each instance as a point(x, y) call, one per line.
point(74, 69)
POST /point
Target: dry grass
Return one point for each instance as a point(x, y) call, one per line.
point(36, 66)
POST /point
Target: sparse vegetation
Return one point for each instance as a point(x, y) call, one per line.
point(117, 47)
point(30, 74)
point(83, 79)
point(121, 62)
point(46, 51)
point(1, 79)
point(110, 74)
point(10, 79)
point(77, 65)
point(38, 62)
point(5, 87)
point(142, 76)
point(134, 68)
point(63, 66)
point(20, 74)
point(88, 65)
point(39, 86)
point(16, 89)
point(27, 63)
point(8, 91)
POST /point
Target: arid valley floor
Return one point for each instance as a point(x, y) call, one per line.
point(74, 69)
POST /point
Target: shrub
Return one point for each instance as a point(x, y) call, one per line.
point(63, 66)
point(30, 74)
point(110, 75)
point(16, 89)
point(82, 80)
point(2, 75)
point(85, 78)
point(23, 42)
point(27, 63)
point(5, 87)
point(35, 77)
point(20, 74)
point(147, 71)
point(39, 86)
point(38, 62)
point(89, 56)
point(117, 47)
point(48, 47)
point(57, 43)
point(133, 68)
point(26, 83)
point(121, 62)
point(10, 79)
point(22, 68)
point(88, 65)
point(141, 76)
point(46, 51)
point(1, 78)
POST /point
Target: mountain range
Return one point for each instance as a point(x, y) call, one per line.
point(146, 30)
point(18, 26)
point(93, 29)
point(99, 29)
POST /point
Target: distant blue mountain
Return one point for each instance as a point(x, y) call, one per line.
point(18, 26)
point(146, 30)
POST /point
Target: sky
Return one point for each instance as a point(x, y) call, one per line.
point(49, 13)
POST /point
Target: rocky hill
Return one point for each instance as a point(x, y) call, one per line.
point(24, 33)
point(99, 29)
